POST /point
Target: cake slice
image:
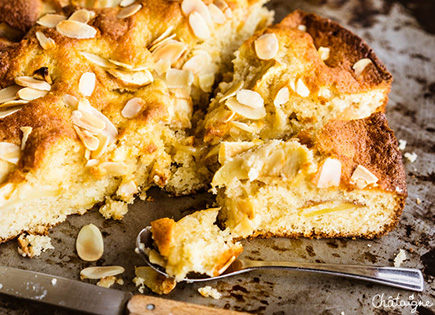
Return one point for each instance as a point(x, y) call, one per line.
point(95, 103)
point(193, 244)
point(348, 182)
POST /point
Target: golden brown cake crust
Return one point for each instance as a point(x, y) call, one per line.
point(162, 231)
point(20, 14)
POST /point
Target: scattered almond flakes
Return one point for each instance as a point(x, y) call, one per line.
point(208, 291)
point(33, 245)
point(412, 157)
point(400, 258)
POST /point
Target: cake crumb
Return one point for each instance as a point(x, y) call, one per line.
point(31, 245)
point(158, 283)
point(114, 209)
point(418, 201)
point(412, 157)
point(208, 291)
point(402, 144)
point(400, 258)
point(53, 281)
point(369, 245)
point(150, 199)
point(107, 282)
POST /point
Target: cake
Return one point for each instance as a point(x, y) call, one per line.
point(94, 102)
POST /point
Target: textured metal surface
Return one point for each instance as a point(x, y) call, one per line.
point(402, 34)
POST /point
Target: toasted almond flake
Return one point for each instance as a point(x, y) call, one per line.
point(9, 93)
point(243, 126)
point(171, 50)
point(100, 272)
point(245, 111)
point(10, 152)
point(33, 83)
point(26, 132)
point(71, 100)
point(99, 61)
point(206, 82)
point(302, 89)
point(126, 3)
point(82, 16)
point(228, 150)
point(250, 98)
point(330, 173)
point(114, 168)
point(162, 66)
point(360, 65)
point(102, 146)
point(266, 46)
point(161, 43)
point(9, 111)
point(89, 140)
point(76, 30)
point(89, 243)
point(129, 11)
point(189, 6)
point(228, 13)
point(302, 28)
point(132, 107)
point(199, 25)
point(134, 79)
point(127, 189)
point(87, 83)
point(120, 64)
point(45, 42)
point(166, 34)
point(87, 121)
point(87, 154)
point(216, 14)
point(282, 96)
point(362, 177)
point(91, 162)
point(13, 103)
point(198, 62)
point(51, 20)
point(179, 78)
point(30, 94)
point(232, 91)
point(324, 52)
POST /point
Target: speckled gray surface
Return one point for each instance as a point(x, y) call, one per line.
point(403, 35)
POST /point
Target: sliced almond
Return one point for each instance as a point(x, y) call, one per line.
point(360, 65)
point(76, 30)
point(87, 121)
point(51, 20)
point(30, 94)
point(206, 82)
point(166, 34)
point(245, 111)
point(133, 79)
point(282, 96)
point(162, 66)
point(250, 98)
point(129, 11)
point(121, 64)
point(198, 62)
point(232, 91)
point(199, 25)
point(45, 42)
point(179, 78)
point(132, 107)
point(26, 132)
point(127, 190)
point(266, 46)
point(216, 14)
point(227, 150)
point(362, 177)
point(10, 152)
point(70, 100)
point(161, 42)
point(9, 93)
point(102, 146)
point(91, 162)
point(99, 61)
point(89, 140)
point(33, 83)
point(189, 6)
point(222, 5)
point(114, 168)
point(243, 126)
point(82, 16)
point(9, 111)
point(89, 243)
point(101, 272)
point(324, 52)
point(330, 173)
point(87, 83)
point(302, 89)
point(126, 3)
point(13, 103)
point(110, 130)
point(302, 28)
point(172, 51)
